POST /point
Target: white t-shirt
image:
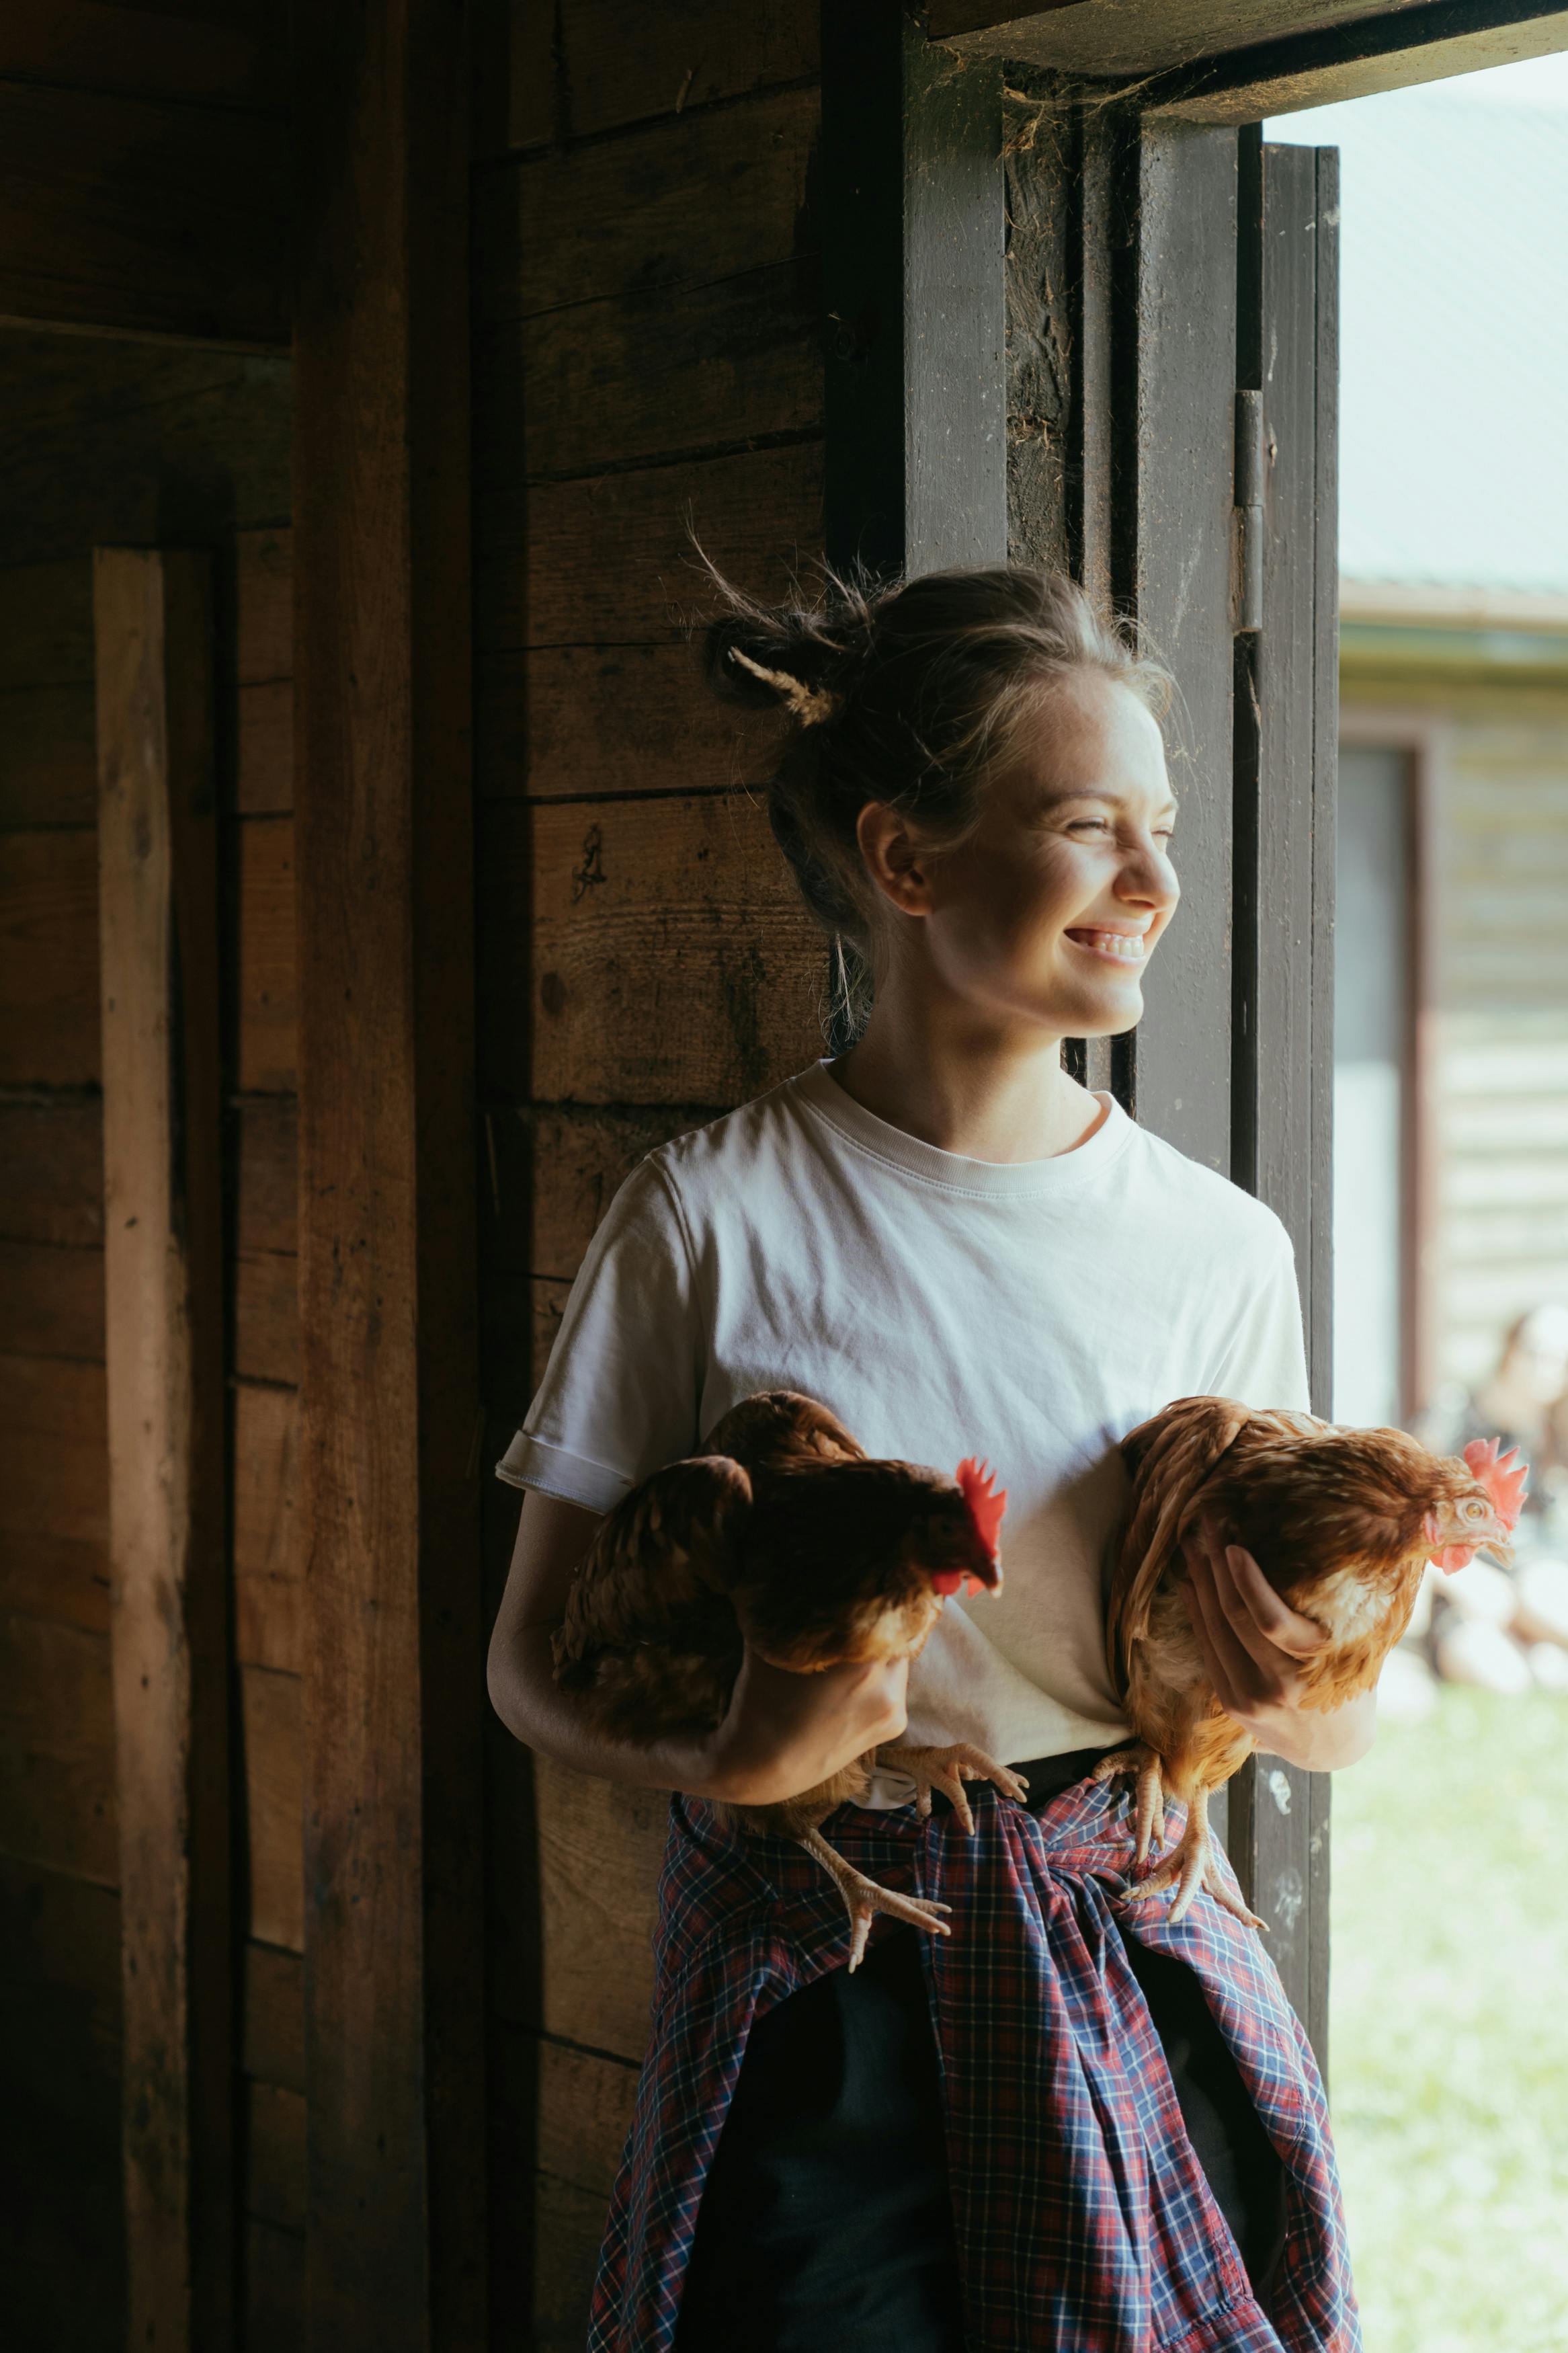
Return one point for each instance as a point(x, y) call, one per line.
point(1032, 1312)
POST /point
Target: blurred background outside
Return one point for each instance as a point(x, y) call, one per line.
point(1449, 2041)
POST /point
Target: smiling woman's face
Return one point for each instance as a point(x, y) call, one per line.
point(1052, 907)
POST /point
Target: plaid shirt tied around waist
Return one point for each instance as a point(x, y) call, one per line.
point(1084, 2220)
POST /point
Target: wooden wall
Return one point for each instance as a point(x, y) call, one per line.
point(1491, 755)
point(126, 443)
point(646, 353)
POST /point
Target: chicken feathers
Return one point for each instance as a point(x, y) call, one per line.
point(785, 1534)
point(1342, 1524)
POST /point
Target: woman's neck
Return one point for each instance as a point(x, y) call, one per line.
point(986, 1092)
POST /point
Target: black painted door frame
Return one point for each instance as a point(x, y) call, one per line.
point(1150, 306)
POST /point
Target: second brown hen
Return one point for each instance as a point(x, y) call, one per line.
point(783, 1534)
point(1342, 1524)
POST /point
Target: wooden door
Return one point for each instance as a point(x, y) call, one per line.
point(1166, 369)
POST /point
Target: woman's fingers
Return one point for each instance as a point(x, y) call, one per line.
point(1233, 1672)
point(1244, 1585)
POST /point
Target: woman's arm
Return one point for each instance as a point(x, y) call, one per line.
point(784, 1732)
point(1253, 1645)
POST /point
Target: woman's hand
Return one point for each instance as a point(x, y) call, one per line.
point(1255, 1646)
point(786, 1733)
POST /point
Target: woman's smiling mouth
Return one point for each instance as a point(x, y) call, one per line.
point(1119, 947)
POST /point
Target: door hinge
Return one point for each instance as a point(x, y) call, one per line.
point(1247, 564)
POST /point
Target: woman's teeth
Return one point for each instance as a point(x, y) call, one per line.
point(1122, 948)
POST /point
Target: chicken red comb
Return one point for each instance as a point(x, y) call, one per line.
point(987, 1502)
point(1504, 1476)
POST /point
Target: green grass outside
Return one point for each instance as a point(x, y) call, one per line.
point(1449, 2035)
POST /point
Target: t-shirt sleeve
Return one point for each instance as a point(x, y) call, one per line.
point(619, 1397)
point(1265, 1360)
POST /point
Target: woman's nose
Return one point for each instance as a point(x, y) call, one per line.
point(1149, 880)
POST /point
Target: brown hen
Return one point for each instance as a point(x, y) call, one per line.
point(1341, 1523)
point(785, 1534)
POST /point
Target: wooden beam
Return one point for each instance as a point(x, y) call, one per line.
point(390, 1452)
point(1285, 773)
point(164, 1272)
point(1389, 51)
point(1240, 60)
point(130, 215)
point(1173, 225)
point(914, 228)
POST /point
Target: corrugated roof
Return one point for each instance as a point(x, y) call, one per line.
point(1454, 419)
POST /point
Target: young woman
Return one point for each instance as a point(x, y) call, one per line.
point(1065, 2124)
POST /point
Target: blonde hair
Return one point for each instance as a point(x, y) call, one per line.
point(911, 694)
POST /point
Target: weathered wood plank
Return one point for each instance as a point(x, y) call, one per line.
point(158, 903)
point(583, 2116)
point(54, 1491)
point(45, 625)
point(1238, 61)
point(393, 1649)
point(264, 606)
point(264, 749)
point(568, 2227)
point(264, 925)
point(559, 2121)
point(610, 383)
point(266, 1316)
point(60, 1935)
point(149, 218)
point(268, 1175)
point(271, 1746)
point(514, 76)
point(677, 207)
point(542, 580)
point(51, 1171)
point(272, 2286)
point(57, 1750)
point(671, 960)
point(552, 1172)
point(1184, 497)
point(115, 439)
point(61, 2237)
point(914, 219)
point(581, 1967)
point(49, 959)
point(272, 2155)
point(625, 62)
point(272, 2035)
point(267, 1537)
point(51, 1300)
point(48, 772)
point(220, 57)
point(566, 720)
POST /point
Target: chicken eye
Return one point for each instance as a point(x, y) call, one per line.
point(1475, 1509)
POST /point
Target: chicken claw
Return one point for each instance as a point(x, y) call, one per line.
point(863, 1899)
point(947, 1769)
point(1150, 1798)
point(1192, 1865)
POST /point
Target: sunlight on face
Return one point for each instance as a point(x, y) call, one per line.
point(1050, 910)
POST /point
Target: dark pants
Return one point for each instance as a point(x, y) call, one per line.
point(825, 2219)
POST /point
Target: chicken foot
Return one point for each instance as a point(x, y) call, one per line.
point(947, 1769)
point(1193, 1863)
point(1150, 1811)
point(863, 1899)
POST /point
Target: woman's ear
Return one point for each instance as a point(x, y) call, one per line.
point(894, 860)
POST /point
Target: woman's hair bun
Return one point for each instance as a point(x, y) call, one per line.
point(764, 660)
